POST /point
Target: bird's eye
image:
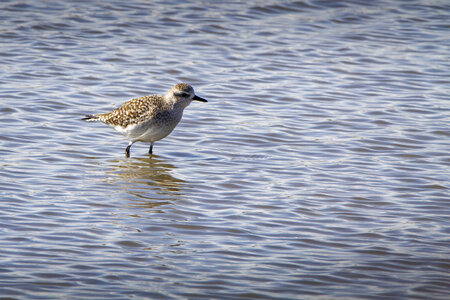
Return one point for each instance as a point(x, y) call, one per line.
point(182, 94)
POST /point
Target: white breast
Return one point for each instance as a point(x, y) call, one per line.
point(150, 131)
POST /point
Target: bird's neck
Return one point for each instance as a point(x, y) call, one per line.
point(180, 105)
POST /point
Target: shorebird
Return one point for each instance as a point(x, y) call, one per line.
point(149, 118)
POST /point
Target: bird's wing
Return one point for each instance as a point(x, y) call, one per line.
point(132, 112)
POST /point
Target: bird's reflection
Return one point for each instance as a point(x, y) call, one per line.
point(147, 179)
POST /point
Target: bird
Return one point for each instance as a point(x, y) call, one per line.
point(150, 118)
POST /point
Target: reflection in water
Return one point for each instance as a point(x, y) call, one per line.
point(146, 179)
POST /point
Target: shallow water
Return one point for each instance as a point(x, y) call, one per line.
point(319, 168)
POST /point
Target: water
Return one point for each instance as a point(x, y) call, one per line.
point(318, 169)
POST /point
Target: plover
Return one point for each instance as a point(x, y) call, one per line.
point(149, 118)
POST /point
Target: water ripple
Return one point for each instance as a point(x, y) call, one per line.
point(319, 167)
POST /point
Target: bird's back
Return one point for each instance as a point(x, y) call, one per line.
point(134, 112)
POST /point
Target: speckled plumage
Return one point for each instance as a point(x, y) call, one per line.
point(134, 111)
point(149, 118)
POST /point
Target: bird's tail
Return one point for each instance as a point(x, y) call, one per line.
point(91, 118)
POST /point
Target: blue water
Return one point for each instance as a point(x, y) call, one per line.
point(319, 168)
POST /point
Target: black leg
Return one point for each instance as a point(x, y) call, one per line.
point(150, 151)
point(127, 150)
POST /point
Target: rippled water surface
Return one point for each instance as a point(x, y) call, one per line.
point(319, 168)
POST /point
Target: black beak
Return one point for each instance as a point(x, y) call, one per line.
point(199, 99)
